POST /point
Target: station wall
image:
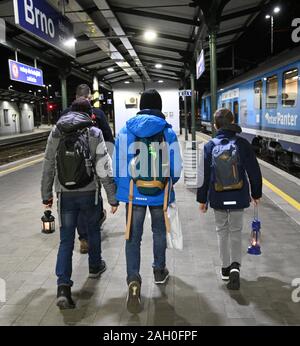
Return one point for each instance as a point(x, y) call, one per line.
point(14, 118)
point(131, 93)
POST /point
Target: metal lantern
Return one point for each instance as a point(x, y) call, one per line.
point(254, 248)
point(48, 222)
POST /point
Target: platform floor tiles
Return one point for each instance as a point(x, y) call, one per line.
point(194, 295)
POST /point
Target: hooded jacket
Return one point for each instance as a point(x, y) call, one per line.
point(102, 161)
point(249, 172)
point(146, 123)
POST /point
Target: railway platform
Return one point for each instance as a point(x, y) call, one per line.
point(20, 137)
point(195, 294)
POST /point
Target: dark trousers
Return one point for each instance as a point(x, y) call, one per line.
point(70, 208)
point(82, 223)
point(133, 245)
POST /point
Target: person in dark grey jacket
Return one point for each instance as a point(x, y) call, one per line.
point(100, 121)
point(229, 205)
point(84, 200)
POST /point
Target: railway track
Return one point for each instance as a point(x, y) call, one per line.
point(14, 149)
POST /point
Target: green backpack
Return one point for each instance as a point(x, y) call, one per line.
point(150, 168)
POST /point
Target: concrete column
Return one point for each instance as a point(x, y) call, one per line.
point(96, 102)
point(213, 76)
point(64, 99)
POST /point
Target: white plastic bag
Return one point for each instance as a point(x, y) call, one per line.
point(174, 237)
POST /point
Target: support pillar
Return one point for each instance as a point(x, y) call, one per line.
point(193, 107)
point(96, 102)
point(213, 76)
point(186, 136)
point(64, 99)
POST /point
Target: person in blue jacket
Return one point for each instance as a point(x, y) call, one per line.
point(229, 205)
point(148, 122)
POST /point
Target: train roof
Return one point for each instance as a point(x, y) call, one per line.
point(282, 59)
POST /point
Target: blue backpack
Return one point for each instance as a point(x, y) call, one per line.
point(226, 165)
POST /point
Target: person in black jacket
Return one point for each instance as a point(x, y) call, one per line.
point(83, 90)
point(229, 205)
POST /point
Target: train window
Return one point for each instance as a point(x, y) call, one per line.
point(272, 92)
point(290, 88)
point(258, 87)
point(5, 116)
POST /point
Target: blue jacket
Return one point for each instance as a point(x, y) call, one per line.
point(249, 171)
point(145, 124)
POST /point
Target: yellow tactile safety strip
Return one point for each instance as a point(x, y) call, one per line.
point(282, 194)
point(23, 165)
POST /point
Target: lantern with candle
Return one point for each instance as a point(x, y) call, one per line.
point(48, 222)
point(255, 239)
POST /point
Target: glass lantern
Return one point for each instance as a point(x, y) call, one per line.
point(48, 222)
point(255, 238)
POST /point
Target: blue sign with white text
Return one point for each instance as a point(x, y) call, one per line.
point(46, 23)
point(25, 73)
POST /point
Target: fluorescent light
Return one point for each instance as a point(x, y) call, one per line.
point(268, 16)
point(70, 42)
point(50, 97)
point(110, 69)
point(127, 82)
point(49, 85)
point(30, 91)
point(276, 9)
point(150, 35)
point(158, 65)
point(160, 81)
point(39, 90)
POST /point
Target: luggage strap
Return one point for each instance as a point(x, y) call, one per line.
point(165, 207)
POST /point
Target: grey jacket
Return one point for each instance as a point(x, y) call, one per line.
point(99, 154)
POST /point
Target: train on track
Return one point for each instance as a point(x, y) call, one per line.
point(266, 104)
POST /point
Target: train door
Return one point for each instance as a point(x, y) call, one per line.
point(236, 111)
point(258, 92)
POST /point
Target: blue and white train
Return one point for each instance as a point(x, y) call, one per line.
point(266, 104)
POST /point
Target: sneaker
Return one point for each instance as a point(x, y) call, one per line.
point(104, 215)
point(84, 246)
point(95, 272)
point(234, 277)
point(64, 299)
point(160, 275)
point(133, 303)
point(225, 273)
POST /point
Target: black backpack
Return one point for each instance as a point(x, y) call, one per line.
point(73, 160)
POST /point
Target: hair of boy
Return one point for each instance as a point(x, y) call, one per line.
point(223, 117)
point(83, 90)
point(81, 105)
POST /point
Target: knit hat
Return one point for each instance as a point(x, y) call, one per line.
point(150, 99)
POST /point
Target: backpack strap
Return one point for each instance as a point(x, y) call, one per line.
point(129, 212)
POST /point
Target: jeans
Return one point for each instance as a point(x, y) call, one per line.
point(229, 225)
point(133, 245)
point(72, 205)
point(82, 224)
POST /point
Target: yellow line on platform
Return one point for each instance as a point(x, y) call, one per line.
point(24, 165)
point(282, 194)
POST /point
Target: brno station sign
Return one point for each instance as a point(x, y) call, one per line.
point(43, 21)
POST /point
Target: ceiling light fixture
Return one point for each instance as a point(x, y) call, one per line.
point(150, 35)
point(158, 65)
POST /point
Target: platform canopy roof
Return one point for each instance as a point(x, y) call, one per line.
point(110, 35)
